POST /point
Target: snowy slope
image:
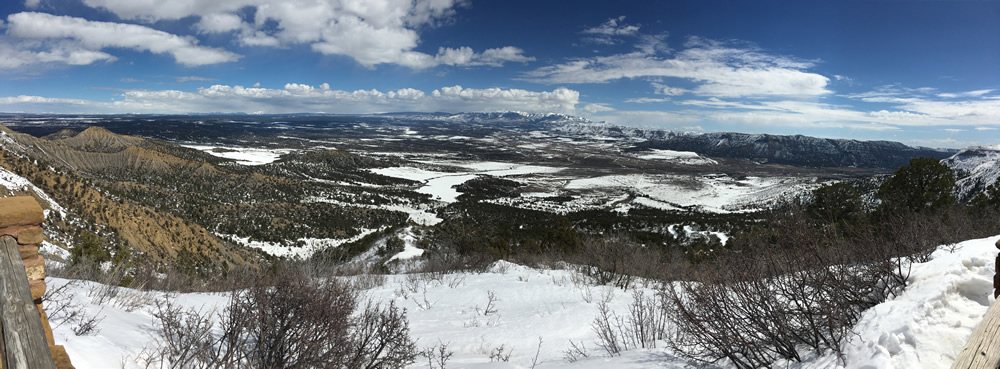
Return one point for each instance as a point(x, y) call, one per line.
point(13, 182)
point(925, 327)
point(975, 168)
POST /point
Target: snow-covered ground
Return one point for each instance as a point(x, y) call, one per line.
point(925, 327)
point(441, 185)
point(680, 157)
point(13, 182)
point(311, 245)
point(243, 155)
point(717, 193)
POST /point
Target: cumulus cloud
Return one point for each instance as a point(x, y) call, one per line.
point(298, 98)
point(34, 52)
point(372, 32)
point(219, 22)
point(78, 41)
point(716, 68)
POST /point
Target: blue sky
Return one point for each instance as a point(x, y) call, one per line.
point(921, 72)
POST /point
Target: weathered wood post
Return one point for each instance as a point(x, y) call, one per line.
point(27, 340)
point(982, 350)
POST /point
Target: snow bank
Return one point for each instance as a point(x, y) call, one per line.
point(925, 327)
point(928, 324)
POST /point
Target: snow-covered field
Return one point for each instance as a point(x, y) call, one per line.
point(925, 327)
point(681, 157)
point(243, 155)
point(311, 245)
point(441, 185)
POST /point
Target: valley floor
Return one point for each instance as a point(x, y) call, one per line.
point(539, 312)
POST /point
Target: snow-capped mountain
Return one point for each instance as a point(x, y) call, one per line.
point(976, 168)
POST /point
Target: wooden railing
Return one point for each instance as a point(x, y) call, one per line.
point(26, 340)
point(982, 350)
point(23, 342)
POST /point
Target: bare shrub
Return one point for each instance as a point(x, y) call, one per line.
point(617, 260)
point(423, 302)
point(437, 356)
point(491, 304)
point(296, 322)
point(380, 338)
point(63, 309)
point(367, 281)
point(575, 352)
point(455, 280)
point(769, 300)
point(641, 328)
point(501, 354)
point(185, 340)
point(286, 321)
point(87, 324)
point(538, 351)
point(60, 305)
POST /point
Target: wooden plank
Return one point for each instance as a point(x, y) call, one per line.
point(982, 350)
point(23, 335)
point(3, 352)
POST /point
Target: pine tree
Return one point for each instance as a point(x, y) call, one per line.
point(924, 186)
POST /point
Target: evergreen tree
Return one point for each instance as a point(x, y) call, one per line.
point(838, 205)
point(989, 199)
point(89, 248)
point(924, 186)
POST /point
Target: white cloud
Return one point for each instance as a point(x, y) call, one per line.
point(716, 68)
point(41, 100)
point(298, 98)
point(34, 52)
point(976, 93)
point(610, 32)
point(801, 115)
point(954, 130)
point(613, 27)
point(597, 108)
point(372, 32)
point(78, 41)
point(976, 109)
point(184, 79)
point(662, 89)
point(465, 56)
point(986, 128)
point(646, 100)
point(219, 22)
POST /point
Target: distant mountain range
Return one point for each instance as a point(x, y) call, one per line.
point(763, 148)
